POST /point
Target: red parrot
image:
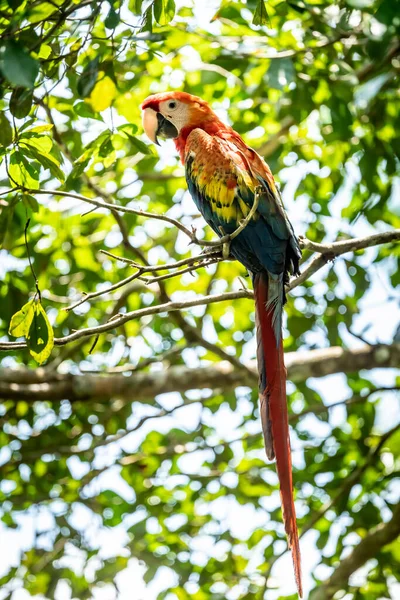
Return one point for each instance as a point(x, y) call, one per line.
point(223, 176)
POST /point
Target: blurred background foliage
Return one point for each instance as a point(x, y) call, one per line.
point(97, 495)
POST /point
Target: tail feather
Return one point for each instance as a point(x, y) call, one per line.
point(268, 291)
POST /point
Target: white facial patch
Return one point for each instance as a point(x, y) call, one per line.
point(178, 116)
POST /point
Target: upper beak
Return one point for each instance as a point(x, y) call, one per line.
point(155, 124)
point(150, 124)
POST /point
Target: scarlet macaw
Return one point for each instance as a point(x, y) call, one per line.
point(223, 175)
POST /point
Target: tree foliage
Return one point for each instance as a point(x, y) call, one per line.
point(181, 480)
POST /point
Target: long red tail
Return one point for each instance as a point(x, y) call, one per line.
point(274, 413)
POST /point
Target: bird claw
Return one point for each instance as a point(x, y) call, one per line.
point(226, 250)
point(212, 249)
point(226, 246)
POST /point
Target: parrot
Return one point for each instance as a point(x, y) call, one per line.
point(224, 176)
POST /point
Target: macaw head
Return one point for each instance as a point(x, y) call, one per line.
point(169, 114)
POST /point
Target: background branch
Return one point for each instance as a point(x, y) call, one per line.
point(367, 548)
point(40, 384)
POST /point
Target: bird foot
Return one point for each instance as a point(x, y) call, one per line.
point(226, 245)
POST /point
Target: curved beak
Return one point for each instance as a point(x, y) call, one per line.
point(150, 124)
point(155, 125)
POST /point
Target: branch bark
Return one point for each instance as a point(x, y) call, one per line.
point(42, 384)
point(368, 547)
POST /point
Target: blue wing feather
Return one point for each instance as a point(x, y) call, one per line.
point(257, 247)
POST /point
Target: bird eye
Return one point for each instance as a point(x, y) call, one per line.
point(172, 105)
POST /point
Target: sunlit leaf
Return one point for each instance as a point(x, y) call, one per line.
point(164, 11)
point(102, 94)
point(43, 143)
point(40, 128)
point(40, 336)
point(42, 10)
point(22, 172)
point(21, 320)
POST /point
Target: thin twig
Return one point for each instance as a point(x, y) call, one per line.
point(124, 209)
point(116, 286)
point(166, 267)
point(352, 244)
point(189, 269)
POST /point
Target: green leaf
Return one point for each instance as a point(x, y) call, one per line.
point(137, 7)
point(30, 202)
point(112, 19)
point(102, 94)
point(138, 144)
point(83, 109)
point(164, 11)
point(14, 4)
point(6, 216)
point(21, 320)
point(18, 66)
point(131, 127)
point(261, 15)
point(80, 165)
point(6, 132)
point(26, 124)
point(21, 102)
point(22, 172)
point(106, 148)
point(88, 78)
point(147, 21)
point(40, 128)
point(46, 160)
point(41, 11)
point(40, 337)
point(43, 143)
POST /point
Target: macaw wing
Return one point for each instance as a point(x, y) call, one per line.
point(270, 204)
point(223, 188)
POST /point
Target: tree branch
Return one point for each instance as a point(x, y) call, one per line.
point(329, 252)
point(367, 548)
point(42, 384)
point(352, 244)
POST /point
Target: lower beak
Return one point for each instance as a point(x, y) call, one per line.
point(155, 125)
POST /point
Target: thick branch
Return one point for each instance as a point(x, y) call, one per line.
point(352, 244)
point(367, 548)
point(42, 384)
point(329, 251)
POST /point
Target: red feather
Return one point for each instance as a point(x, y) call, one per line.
point(274, 414)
